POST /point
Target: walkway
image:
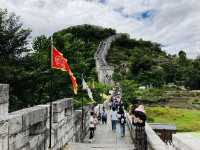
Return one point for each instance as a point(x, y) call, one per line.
point(105, 139)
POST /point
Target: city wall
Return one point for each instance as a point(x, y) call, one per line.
point(28, 129)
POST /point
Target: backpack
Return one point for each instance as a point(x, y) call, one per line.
point(104, 115)
point(122, 120)
point(114, 105)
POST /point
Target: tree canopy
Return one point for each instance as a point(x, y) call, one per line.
point(13, 37)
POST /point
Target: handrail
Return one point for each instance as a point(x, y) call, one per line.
point(153, 139)
point(154, 142)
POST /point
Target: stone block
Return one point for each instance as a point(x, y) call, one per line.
point(54, 136)
point(68, 112)
point(60, 105)
point(57, 117)
point(37, 142)
point(33, 116)
point(4, 109)
point(15, 124)
point(46, 106)
point(4, 99)
point(4, 90)
point(38, 128)
point(69, 103)
point(70, 136)
point(3, 135)
point(18, 141)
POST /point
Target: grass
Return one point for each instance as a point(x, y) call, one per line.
point(185, 120)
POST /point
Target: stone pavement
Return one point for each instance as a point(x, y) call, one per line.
point(105, 139)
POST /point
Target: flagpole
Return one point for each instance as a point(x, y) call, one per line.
point(50, 103)
point(82, 108)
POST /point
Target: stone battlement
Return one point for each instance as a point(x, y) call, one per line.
point(4, 96)
point(28, 129)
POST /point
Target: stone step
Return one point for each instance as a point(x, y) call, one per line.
point(84, 146)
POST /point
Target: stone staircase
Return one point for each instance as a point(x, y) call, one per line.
point(105, 139)
point(84, 146)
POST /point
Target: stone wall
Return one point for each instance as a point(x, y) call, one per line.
point(186, 141)
point(28, 129)
point(4, 96)
point(104, 71)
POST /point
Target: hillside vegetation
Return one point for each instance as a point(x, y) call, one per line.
point(148, 65)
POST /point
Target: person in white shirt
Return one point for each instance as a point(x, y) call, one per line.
point(114, 118)
point(91, 126)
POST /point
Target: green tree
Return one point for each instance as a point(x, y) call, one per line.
point(192, 75)
point(182, 57)
point(129, 89)
point(13, 48)
point(13, 37)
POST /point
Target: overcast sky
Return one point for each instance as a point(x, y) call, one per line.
point(173, 23)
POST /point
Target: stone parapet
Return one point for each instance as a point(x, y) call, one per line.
point(4, 97)
point(186, 141)
point(3, 133)
point(4, 92)
point(28, 129)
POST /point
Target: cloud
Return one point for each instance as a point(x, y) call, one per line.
point(174, 24)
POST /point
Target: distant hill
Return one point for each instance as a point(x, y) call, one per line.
point(146, 63)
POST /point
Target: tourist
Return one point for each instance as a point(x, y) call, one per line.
point(91, 126)
point(122, 124)
point(114, 104)
point(99, 113)
point(132, 112)
point(139, 119)
point(117, 105)
point(110, 104)
point(114, 118)
point(95, 121)
point(121, 104)
point(104, 116)
point(122, 120)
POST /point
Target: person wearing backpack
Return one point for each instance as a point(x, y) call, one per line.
point(113, 105)
point(104, 117)
point(122, 121)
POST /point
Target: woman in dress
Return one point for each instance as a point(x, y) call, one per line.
point(139, 119)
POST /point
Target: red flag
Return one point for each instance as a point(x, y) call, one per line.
point(74, 84)
point(59, 62)
point(66, 67)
